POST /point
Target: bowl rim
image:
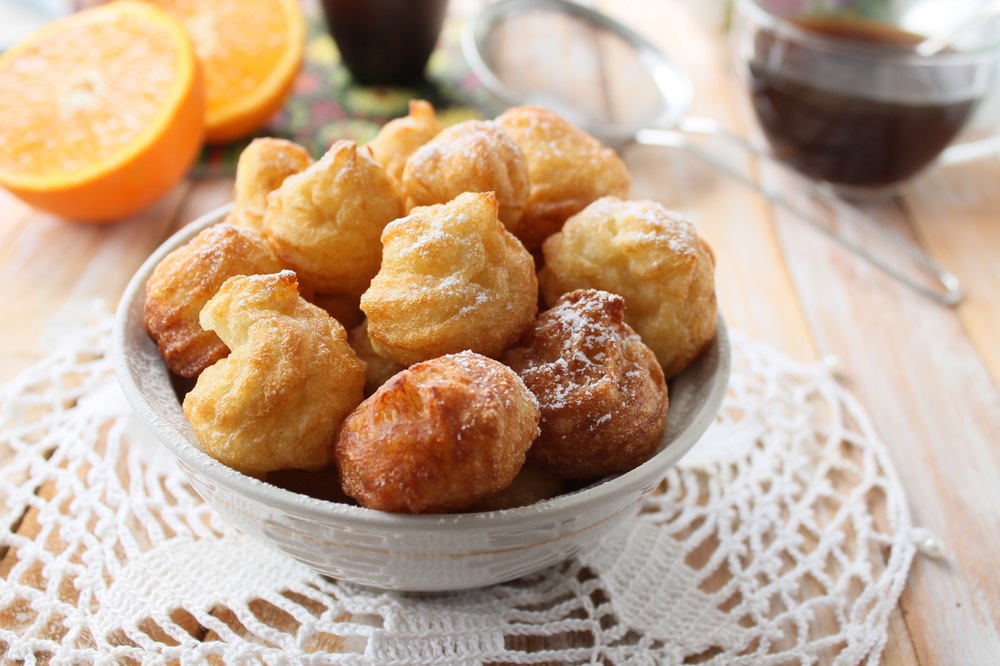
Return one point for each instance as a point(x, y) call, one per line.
point(563, 507)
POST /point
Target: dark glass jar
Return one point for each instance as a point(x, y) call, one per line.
point(385, 42)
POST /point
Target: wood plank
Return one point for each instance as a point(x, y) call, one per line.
point(927, 376)
point(206, 195)
point(826, 276)
point(926, 390)
point(956, 211)
point(755, 292)
point(52, 271)
point(924, 385)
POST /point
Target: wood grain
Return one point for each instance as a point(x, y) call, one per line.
point(929, 376)
point(930, 395)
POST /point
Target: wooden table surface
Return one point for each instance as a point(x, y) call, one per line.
point(927, 374)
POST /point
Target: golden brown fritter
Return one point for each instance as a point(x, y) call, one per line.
point(472, 156)
point(325, 222)
point(380, 369)
point(401, 137)
point(183, 282)
point(601, 390)
point(532, 484)
point(568, 169)
point(262, 167)
point(650, 256)
point(323, 484)
point(343, 308)
point(438, 436)
point(452, 278)
point(277, 400)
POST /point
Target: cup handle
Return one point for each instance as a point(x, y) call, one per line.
point(951, 291)
point(971, 150)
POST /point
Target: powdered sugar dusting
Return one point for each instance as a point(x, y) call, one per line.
point(578, 343)
point(494, 374)
point(653, 223)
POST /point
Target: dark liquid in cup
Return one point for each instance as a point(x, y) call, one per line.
point(851, 136)
point(385, 42)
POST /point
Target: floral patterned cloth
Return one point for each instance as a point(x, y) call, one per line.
point(327, 105)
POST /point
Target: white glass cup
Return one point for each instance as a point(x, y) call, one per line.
point(844, 97)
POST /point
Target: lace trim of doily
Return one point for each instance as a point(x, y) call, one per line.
point(783, 537)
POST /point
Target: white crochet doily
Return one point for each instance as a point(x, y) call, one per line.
point(782, 538)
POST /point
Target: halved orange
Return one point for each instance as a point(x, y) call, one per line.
point(101, 112)
point(251, 51)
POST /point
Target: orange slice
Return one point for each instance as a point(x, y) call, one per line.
point(101, 112)
point(251, 51)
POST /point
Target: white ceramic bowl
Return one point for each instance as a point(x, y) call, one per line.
point(404, 552)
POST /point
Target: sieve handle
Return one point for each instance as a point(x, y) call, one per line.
point(951, 291)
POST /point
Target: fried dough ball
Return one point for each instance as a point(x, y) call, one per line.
point(380, 369)
point(567, 167)
point(400, 138)
point(184, 281)
point(472, 156)
point(601, 390)
point(324, 484)
point(262, 167)
point(344, 309)
point(651, 257)
point(438, 436)
point(277, 400)
point(532, 484)
point(452, 278)
point(325, 222)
